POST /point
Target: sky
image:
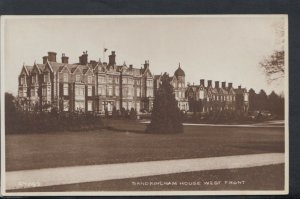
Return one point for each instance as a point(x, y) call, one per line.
point(216, 48)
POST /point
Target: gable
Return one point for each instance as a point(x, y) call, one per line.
point(48, 68)
point(24, 71)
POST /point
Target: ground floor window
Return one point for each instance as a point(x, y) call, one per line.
point(138, 107)
point(79, 105)
point(66, 105)
point(90, 105)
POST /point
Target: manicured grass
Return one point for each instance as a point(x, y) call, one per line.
point(126, 142)
point(255, 178)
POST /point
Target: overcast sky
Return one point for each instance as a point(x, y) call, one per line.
point(216, 48)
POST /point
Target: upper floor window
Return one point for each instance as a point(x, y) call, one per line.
point(201, 94)
point(117, 91)
point(79, 91)
point(149, 82)
point(101, 79)
point(46, 77)
point(44, 92)
point(66, 89)
point(138, 92)
point(77, 78)
point(22, 80)
point(110, 91)
point(65, 77)
point(90, 105)
point(101, 90)
point(32, 92)
point(90, 90)
point(33, 79)
point(149, 92)
point(110, 79)
point(125, 80)
point(89, 79)
point(117, 80)
point(138, 82)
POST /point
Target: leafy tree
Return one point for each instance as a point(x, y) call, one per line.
point(166, 117)
point(114, 113)
point(132, 114)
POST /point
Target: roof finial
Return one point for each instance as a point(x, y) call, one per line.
point(179, 64)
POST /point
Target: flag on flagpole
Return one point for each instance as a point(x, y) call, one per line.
point(105, 49)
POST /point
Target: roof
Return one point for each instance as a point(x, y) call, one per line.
point(179, 72)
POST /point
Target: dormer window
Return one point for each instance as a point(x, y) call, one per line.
point(77, 78)
point(89, 79)
point(22, 80)
point(66, 77)
point(46, 77)
point(33, 79)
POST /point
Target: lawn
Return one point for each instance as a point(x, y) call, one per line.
point(125, 142)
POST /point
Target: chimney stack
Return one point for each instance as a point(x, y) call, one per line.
point(216, 84)
point(52, 56)
point(130, 66)
point(64, 59)
point(209, 83)
point(45, 58)
point(202, 82)
point(224, 85)
point(146, 64)
point(230, 85)
point(83, 59)
point(112, 58)
point(240, 87)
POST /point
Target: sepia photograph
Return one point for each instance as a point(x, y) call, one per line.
point(144, 105)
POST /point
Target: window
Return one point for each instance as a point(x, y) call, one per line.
point(129, 92)
point(246, 98)
point(77, 78)
point(125, 80)
point(33, 79)
point(24, 92)
point(66, 105)
point(90, 90)
point(32, 92)
point(110, 91)
point(117, 91)
point(138, 82)
point(101, 79)
point(201, 94)
point(233, 98)
point(125, 92)
point(110, 79)
point(149, 92)
point(117, 80)
point(22, 80)
point(138, 92)
point(79, 105)
point(48, 91)
point(65, 77)
point(101, 90)
point(46, 77)
point(90, 105)
point(20, 93)
point(138, 108)
point(44, 92)
point(89, 79)
point(66, 89)
point(149, 82)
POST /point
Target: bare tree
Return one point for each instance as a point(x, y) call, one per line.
point(274, 66)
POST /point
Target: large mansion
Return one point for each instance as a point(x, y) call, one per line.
point(95, 86)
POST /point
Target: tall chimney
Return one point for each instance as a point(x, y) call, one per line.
point(83, 59)
point(112, 58)
point(209, 83)
point(146, 64)
point(64, 59)
point(229, 85)
point(45, 58)
point(52, 56)
point(223, 84)
point(216, 84)
point(202, 82)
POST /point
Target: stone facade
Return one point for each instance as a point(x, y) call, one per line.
point(93, 86)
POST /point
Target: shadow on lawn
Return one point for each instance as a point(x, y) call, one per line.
point(268, 147)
